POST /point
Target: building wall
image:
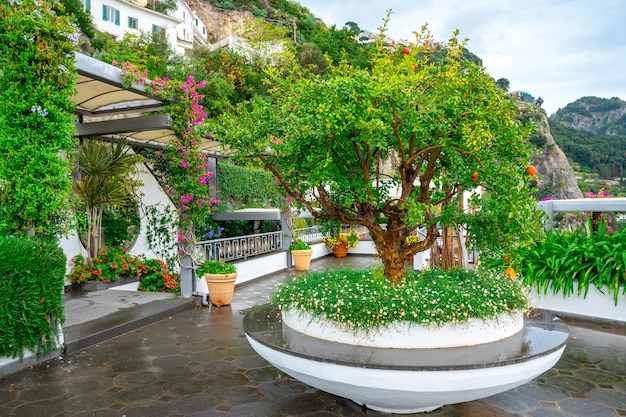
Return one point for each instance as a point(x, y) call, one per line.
point(118, 17)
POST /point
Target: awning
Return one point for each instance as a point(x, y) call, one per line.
point(106, 108)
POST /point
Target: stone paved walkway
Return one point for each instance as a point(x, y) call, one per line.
point(198, 364)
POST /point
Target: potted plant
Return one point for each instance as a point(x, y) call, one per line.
point(220, 278)
point(341, 242)
point(301, 253)
point(577, 272)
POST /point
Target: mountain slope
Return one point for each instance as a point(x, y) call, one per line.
point(593, 114)
point(592, 132)
point(556, 176)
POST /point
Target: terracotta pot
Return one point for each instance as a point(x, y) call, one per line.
point(302, 259)
point(340, 251)
point(221, 288)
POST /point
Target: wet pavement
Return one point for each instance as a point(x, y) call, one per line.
point(197, 363)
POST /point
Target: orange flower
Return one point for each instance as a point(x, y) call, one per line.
point(510, 273)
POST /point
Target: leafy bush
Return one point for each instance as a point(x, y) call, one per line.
point(259, 12)
point(226, 5)
point(158, 278)
point(31, 290)
point(118, 226)
point(299, 245)
point(216, 267)
point(247, 186)
point(565, 257)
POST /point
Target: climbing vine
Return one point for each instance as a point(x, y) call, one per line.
point(187, 182)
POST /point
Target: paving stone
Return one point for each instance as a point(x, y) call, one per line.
point(586, 407)
point(198, 363)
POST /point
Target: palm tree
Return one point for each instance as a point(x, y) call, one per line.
point(104, 181)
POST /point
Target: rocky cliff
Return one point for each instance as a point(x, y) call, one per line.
point(221, 23)
point(556, 176)
point(593, 114)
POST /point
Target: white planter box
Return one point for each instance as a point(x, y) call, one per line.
point(596, 305)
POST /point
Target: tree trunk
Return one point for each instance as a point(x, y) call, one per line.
point(392, 249)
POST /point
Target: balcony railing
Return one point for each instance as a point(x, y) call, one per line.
point(240, 247)
point(244, 247)
point(310, 234)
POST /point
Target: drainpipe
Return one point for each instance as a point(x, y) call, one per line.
point(204, 298)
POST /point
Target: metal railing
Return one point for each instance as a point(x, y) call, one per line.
point(314, 234)
point(240, 247)
point(310, 234)
point(244, 247)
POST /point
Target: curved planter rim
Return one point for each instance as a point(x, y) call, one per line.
point(407, 335)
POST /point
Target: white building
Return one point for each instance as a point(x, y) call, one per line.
point(191, 30)
point(118, 17)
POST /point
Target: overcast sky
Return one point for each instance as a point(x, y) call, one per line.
point(559, 50)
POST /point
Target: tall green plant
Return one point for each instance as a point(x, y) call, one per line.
point(565, 258)
point(105, 181)
point(37, 80)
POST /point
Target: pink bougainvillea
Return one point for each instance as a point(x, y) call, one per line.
point(188, 184)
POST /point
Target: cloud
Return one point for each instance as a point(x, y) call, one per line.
point(560, 50)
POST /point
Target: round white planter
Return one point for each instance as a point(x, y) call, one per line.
point(407, 335)
point(406, 380)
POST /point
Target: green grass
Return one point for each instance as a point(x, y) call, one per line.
point(364, 299)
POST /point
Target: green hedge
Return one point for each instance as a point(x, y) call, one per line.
point(248, 187)
point(32, 275)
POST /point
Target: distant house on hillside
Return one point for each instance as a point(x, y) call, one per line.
point(182, 28)
point(522, 96)
point(269, 51)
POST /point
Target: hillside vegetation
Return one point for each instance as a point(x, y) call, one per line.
point(593, 152)
point(592, 132)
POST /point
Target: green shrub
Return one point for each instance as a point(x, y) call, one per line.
point(259, 12)
point(299, 245)
point(226, 5)
point(216, 267)
point(247, 186)
point(32, 275)
point(565, 257)
point(120, 226)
